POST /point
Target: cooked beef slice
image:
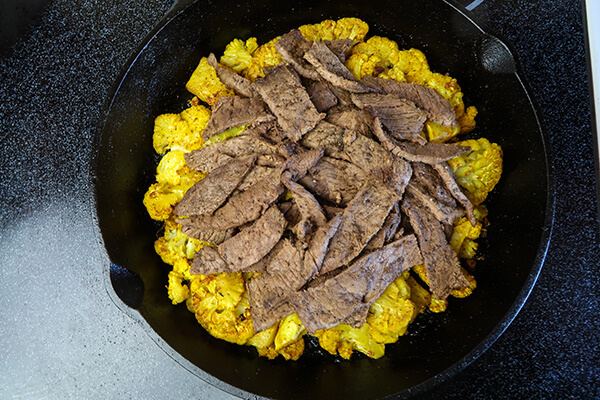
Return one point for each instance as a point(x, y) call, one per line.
point(243, 207)
point(318, 246)
point(325, 136)
point(208, 261)
point(429, 153)
point(298, 164)
point(372, 158)
point(388, 229)
point(256, 174)
point(440, 211)
point(334, 180)
point(350, 118)
point(288, 100)
point(292, 47)
point(357, 287)
point(210, 157)
point(233, 111)
point(401, 117)
point(211, 192)
point(321, 96)
point(268, 293)
point(331, 69)
point(435, 106)
point(254, 242)
point(441, 261)
point(447, 176)
point(196, 227)
point(339, 47)
point(231, 79)
point(312, 215)
point(361, 220)
point(331, 211)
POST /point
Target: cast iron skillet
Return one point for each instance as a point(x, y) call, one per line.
point(438, 345)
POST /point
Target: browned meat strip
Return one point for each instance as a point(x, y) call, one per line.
point(231, 79)
point(254, 242)
point(388, 230)
point(401, 117)
point(208, 261)
point(233, 111)
point(429, 153)
point(288, 100)
point(329, 66)
point(339, 47)
point(436, 107)
point(350, 118)
point(321, 96)
point(210, 157)
point(441, 261)
point(325, 136)
point(243, 207)
point(357, 287)
point(334, 180)
point(292, 47)
point(211, 192)
point(447, 176)
point(361, 220)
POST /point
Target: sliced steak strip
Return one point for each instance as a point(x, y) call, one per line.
point(210, 157)
point(254, 242)
point(329, 66)
point(244, 207)
point(441, 261)
point(231, 79)
point(288, 100)
point(435, 106)
point(361, 220)
point(444, 171)
point(440, 211)
point(325, 136)
point(429, 153)
point(256, 174)
point(350, 118)
point(357, 287)
point(269, 292)
point(339, 47)
point(292, 47)
point(233, 111)
point(208, 261)
point(401, 117)
point(318, 246)
point(334, 180)
point(211, 192)
point(388, 230)
point(321, 96)
point(196, 227)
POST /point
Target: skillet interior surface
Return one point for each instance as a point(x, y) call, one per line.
point(437, 344)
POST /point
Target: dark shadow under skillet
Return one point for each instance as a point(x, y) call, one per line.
point(437, 345)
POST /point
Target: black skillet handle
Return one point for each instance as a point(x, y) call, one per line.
point(127, 285)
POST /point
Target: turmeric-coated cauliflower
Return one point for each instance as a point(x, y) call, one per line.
point(265, 56)
point(463, 236)
point(478, 170)
point(221, 306)
point(390, 315)
point(181, 131)
point(205, 83)
point(176, 246)
point(344, 28)
point(238, 54)
point(344, 339)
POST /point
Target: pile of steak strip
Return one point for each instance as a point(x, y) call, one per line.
point(330, 193)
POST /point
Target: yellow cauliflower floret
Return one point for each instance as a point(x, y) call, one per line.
point(175, 245)
point(264, 342)
point(180, 131)
point(420, 297)
point(344, 28)
point(205, 83)
point(178, 291)
point(344, 339)
point(238, 54)
point(437, 305)
point(413, 64)
point(221, 306)
point(290, 331)
point(463, 235)
point(461, 293)
point(390, 315)
point(437, 133)
point(293, 351)
point(363, 64)
point(160, 199)
point(467, 120)
point(265, 56)
point(479, 170)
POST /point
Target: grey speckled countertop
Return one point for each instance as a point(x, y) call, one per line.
point(61, 335)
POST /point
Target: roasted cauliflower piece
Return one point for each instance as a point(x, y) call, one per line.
point(344, 339)
point(265, 56)
point(344, 28)
point(478, 170)
point(238, 54)
point(176, 246)
point(205, 83)
point(181, 131)
point(390, 315)
point(221, 306)
point(463, 236)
